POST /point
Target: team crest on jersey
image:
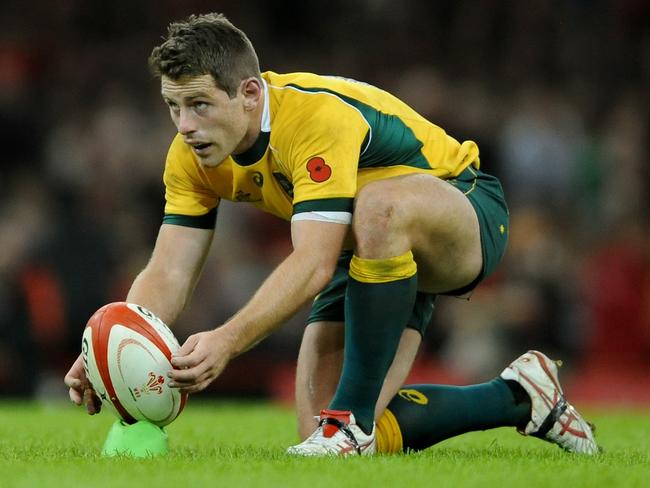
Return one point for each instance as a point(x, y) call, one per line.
point(258, 179)
point(319, 170)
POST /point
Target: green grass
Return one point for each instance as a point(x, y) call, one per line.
point(242, 445)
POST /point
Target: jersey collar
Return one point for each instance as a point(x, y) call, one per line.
point(266, 114)
point(257, 150)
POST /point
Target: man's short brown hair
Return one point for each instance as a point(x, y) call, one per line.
point(206, 45)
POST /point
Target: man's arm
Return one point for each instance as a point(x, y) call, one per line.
point(302, 275)
point(167, 282)
point(164, 287)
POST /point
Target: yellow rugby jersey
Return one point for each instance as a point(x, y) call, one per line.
point(322, 139)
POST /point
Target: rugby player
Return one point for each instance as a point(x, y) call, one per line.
point(387, 211)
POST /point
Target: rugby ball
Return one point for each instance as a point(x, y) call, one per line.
point(126, 352)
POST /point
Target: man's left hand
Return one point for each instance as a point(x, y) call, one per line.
point(200, 360)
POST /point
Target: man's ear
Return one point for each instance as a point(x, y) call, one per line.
point(251, 89)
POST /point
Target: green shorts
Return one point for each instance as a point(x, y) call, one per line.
point(486, 196)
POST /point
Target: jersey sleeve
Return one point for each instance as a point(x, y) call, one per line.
point(324, 158)
point(188, 200)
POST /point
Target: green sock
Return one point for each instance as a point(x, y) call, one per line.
point(428, 414)
point(378, 302)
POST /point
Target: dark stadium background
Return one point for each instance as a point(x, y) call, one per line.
point(554, 92)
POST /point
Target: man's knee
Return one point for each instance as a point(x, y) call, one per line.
point(395, 215)
point(379, 220)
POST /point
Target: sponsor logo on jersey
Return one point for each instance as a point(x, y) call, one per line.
point(319, 170)
point(242, 196)
point(284, 182)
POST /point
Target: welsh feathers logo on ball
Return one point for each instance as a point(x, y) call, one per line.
point(126, 352)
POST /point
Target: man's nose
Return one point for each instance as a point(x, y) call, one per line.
point(186, 124)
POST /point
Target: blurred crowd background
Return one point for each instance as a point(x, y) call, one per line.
point(554, 92)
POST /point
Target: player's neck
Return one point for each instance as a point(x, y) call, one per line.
point(254, 128)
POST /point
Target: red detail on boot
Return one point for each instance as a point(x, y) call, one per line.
point(341, 415)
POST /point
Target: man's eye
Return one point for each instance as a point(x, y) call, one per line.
point(200, 105)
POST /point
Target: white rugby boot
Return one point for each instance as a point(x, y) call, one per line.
point(553, 419)
point(337, 435)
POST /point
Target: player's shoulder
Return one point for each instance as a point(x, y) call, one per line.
point(314, 83)
point(294, 80)
point(304, 100)
point(305, 93)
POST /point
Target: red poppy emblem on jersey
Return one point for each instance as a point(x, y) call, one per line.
point(319, 170)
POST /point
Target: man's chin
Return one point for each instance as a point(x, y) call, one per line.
point(211, 161)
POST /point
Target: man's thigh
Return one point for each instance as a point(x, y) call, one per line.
point(485, 194)
point(430, 217)
point(320, 362)
point(457, 230)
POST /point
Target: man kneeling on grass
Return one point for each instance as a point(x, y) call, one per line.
point(387, 211)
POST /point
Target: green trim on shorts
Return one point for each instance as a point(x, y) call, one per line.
point(486, 196)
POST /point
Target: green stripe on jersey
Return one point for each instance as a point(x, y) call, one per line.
point(324, 205)
point(207, 221)
point(390, 142)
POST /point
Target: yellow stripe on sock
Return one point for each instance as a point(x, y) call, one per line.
point(383, 270)
point(389, 435)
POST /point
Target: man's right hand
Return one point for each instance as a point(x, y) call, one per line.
point(81, 392)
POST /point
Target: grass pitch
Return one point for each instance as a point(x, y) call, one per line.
point(242, 445)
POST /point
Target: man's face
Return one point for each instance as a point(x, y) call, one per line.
point(211, 123)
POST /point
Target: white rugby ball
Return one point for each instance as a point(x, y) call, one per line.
point(126, 353)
